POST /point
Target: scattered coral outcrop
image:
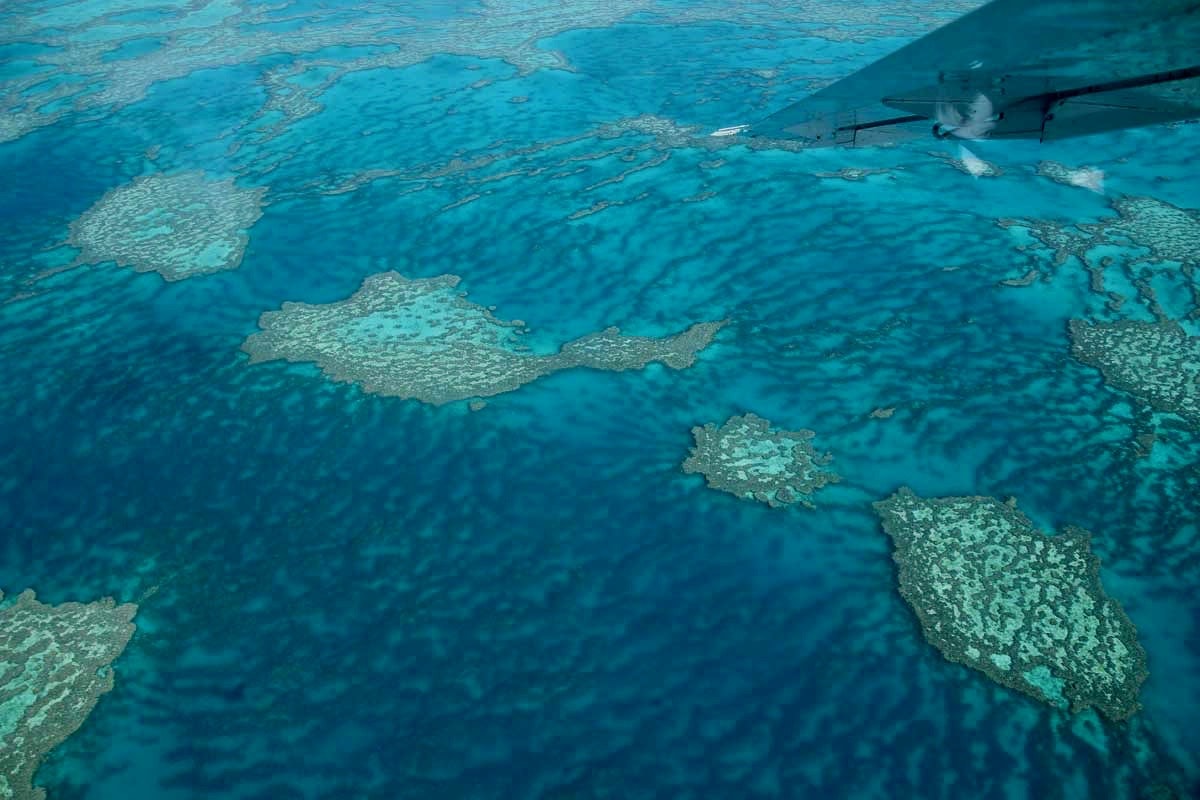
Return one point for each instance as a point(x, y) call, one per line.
point(749, 458)
point(421, 338)
point(1154, 361)
point(969, 164)
point(54, 665)
point(1091, 178)
point(179, 225)
point(994, 593)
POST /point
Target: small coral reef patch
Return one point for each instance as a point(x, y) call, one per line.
point(993, 592)
point(970, 164)
point(420, 338)
point(749, 458)
point(1083, 177)
point(1156, 362)
point(54, 665)
point(179, 225)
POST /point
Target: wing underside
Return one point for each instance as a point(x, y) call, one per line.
point(1016, 69)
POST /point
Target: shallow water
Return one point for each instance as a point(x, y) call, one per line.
point(350, 595)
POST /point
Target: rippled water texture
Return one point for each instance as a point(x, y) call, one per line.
point(346, 593)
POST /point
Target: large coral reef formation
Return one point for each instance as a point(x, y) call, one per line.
point(1168, 232)
point(1156, 362)
point(54, 666)
point(179, 226)
point(420, 338)
point(994, 593)
point(747, 457)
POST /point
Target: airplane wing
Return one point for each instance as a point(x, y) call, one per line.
point(1030, 69)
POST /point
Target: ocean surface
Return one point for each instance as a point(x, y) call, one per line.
point(344, 594)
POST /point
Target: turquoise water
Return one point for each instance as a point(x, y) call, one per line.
point(343, 594)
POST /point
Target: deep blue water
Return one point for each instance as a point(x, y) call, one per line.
point(370, 597)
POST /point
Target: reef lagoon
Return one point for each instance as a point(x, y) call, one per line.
point(452, 416)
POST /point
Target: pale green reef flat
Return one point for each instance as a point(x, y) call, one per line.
point(748, 458)
point(420, 338)
point(1155, 362)
point(994, 593)
point(54, 665)
point(179, 225)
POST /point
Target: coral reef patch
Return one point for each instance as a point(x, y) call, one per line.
point(422, 339)
point(748, 458)
point(54, 665)
point(994, 593)
point(179, 225)
point(1156, 362)
point(1147, 240)
point(1091, 178)
point(1168, 232)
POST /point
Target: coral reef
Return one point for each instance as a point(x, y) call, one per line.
point(54, 665)
point(969, 164)
point(1154, 361)
point(1084, 177)
point(855, 174)
point(420, 338)
point(1167, 231)
point(1062, 239)
point(1025, 280)
point(975, 166)
point(1026, 609)
point(1170, 233)
point(749, 458)
point(1153, 237)
point(179, 225)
